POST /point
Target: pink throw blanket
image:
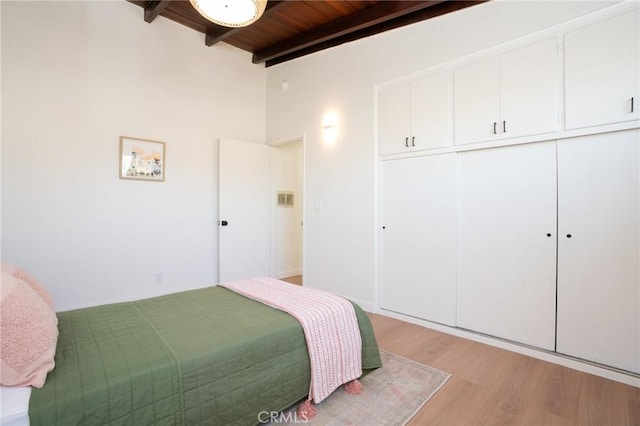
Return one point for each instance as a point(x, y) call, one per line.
point(330, 328)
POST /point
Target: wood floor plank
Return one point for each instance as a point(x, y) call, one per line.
point(493, 386)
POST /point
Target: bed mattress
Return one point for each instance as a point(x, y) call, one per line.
point(207, 356)
point(14, 406)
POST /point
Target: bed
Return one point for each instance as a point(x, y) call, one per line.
point(207, 356)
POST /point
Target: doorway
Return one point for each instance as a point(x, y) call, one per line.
point(287, 185)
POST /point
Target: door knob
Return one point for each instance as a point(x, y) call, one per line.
point(224, 223)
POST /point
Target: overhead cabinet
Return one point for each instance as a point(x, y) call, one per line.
point(602, 72)
point(511, 95)
point(415, 115)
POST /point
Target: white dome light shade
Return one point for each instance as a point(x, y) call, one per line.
point(230, 13)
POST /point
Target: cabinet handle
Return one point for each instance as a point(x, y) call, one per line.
point(495, 125)
point(548, 235)
point(568, 235)
point(632, 100)
point(413, 141)
point(406, 142)
point(504, 126)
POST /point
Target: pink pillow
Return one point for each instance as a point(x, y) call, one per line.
point(18, 272)
point(28, 333)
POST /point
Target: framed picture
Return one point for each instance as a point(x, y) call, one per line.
point(141, 159)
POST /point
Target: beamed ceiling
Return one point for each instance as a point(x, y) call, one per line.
point(293, 28)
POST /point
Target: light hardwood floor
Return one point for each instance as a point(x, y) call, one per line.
point(493, 386)
point(297, 279)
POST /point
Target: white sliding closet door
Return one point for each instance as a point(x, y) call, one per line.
point(419, 237)
point(599, 264)
point(507, 244)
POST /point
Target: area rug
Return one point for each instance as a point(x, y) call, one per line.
point(392, 395)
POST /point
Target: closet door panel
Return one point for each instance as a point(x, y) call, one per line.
point(431, 112)
point(394, 118)
point(418, 265)
point(476, 101)
point(602, 64)
point(529, 90)
point(599, 266)
point(506, 266)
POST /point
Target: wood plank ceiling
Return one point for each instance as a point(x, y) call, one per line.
point(290, 29)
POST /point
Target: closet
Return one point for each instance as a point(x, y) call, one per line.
point(532, 232)
point(507, 257)
point(536, 239)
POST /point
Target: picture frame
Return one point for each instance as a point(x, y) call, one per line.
point(141, 159)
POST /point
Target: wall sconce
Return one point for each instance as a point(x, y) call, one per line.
point(330, 127)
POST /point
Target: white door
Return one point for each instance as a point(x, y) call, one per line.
point(602, 64)
point(419, 237)
point(243, 210)
point(507, 244)
point(599, 264)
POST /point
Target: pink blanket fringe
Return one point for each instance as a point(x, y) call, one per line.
point(354, 387)
point(307, 410)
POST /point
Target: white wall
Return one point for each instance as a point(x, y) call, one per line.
point(75, 77)
point(287, 176)
point(340, 178)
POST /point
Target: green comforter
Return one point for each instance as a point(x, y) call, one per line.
point(207, 356)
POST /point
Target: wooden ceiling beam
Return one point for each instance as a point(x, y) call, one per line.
point(354, 22)
point(154, 8)
point(406, 19)
point(220, 33)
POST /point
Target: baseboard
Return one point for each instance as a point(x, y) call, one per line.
point(553, 357)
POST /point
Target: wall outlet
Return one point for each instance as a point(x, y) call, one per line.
point(158, 278)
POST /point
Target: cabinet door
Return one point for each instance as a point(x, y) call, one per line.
point(529, 90)
point(430, 112)
point(394, 119)
point(601, 72)
point(599, 266)
point(507, 244)
point(476, 101)
point(419, 240)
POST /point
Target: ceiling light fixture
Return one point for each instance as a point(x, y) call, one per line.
point(230, 13)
